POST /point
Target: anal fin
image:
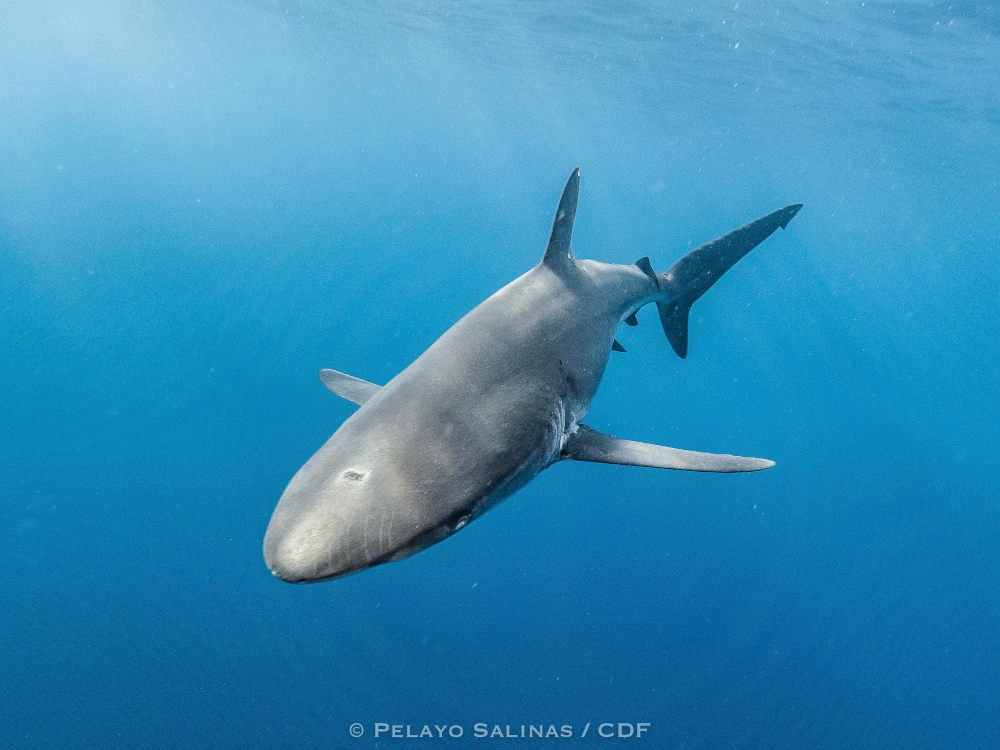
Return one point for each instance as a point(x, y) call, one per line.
point(347, 386)
point(590, 445)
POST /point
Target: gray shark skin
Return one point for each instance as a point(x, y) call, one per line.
point(494, 401)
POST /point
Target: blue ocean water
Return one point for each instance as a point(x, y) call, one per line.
point(201, 204)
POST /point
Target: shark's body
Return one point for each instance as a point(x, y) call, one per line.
point(494, 401)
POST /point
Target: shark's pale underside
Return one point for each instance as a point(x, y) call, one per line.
point(494, 401)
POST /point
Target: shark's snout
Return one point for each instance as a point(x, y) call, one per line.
point(326, 527)
point(314, 536)
point(286, 570)
point(295, 554)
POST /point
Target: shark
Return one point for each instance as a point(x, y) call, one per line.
point(497, 399)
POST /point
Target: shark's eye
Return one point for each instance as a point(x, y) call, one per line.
point(461, 523)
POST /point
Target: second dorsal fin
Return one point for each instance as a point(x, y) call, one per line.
point(647, 268)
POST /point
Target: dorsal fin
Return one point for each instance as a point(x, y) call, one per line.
point(558, 254)
point(617, 347)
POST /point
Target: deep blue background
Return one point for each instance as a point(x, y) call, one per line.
point(201, 204)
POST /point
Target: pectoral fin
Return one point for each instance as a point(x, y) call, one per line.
point(590, 445)
point(348, 387)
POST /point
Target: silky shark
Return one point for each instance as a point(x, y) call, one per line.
point(494, 401)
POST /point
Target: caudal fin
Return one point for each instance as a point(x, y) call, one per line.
point(694, 274)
